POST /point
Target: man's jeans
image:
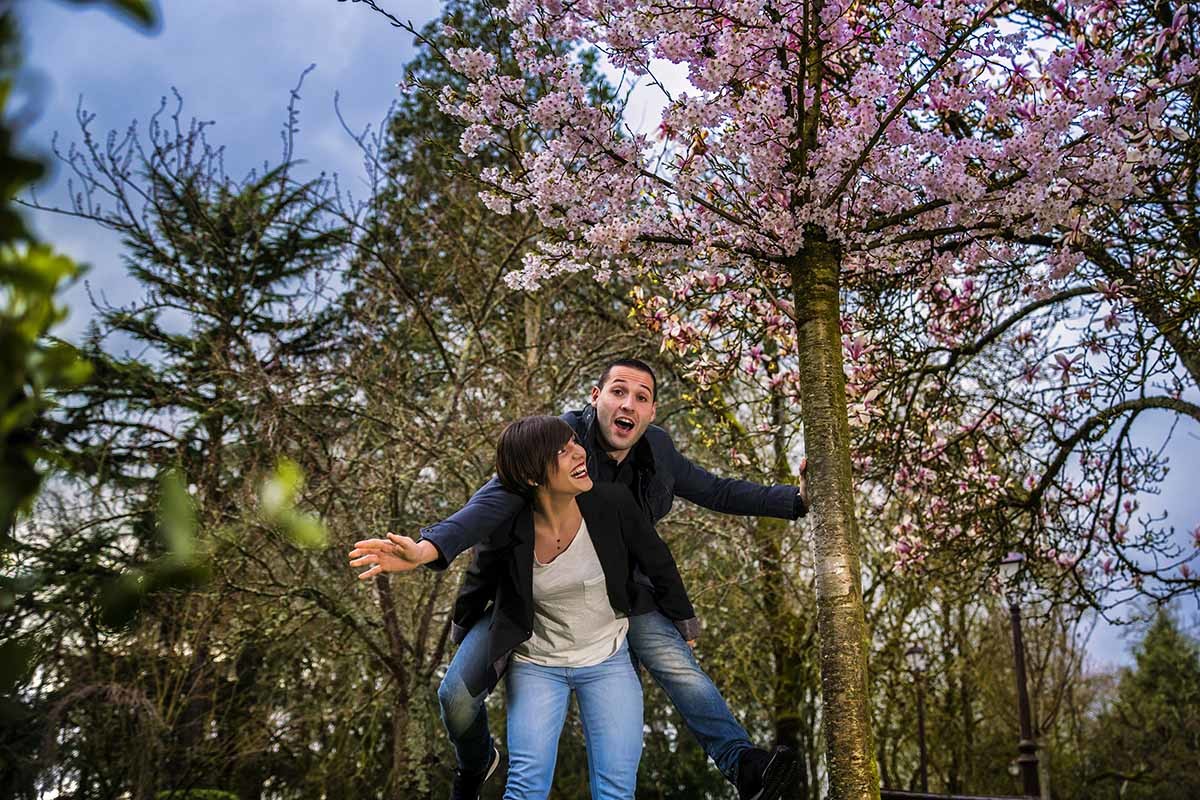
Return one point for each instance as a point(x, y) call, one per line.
point(655, 643)
point(610, 708)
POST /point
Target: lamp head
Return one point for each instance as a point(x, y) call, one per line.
point(1010, 567)
point(915, 656)
point(1010, 577)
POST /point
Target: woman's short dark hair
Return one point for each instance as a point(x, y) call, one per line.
point(526, 449)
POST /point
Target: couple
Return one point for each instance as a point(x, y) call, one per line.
point(578, 581)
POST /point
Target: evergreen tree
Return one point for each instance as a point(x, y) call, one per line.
point(223, 369)
point(1147, 741)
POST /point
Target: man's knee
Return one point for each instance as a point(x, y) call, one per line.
point(458, 706)
point(652, 641)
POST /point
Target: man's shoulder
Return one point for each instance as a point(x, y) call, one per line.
point(660, 441)
point(576, 419)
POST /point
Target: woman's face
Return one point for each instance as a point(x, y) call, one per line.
point(568, 472)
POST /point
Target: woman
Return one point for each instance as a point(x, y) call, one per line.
point(559, 586)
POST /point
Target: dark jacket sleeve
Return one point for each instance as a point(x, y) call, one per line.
point(488, 510)
point(650, 553)
point(728, 495)
point(479, 583)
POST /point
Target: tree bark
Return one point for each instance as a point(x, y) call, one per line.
point(841, 621)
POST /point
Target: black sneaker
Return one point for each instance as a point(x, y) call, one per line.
point(467, 784)
point(767, 776)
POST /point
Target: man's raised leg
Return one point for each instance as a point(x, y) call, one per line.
point(658, 645)
point(465, 715)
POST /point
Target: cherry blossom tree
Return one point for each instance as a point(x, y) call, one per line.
point(819, 147)
point(989, 412)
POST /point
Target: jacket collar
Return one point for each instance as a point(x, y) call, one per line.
point(593, 510)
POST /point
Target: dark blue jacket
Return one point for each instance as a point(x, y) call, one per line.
point(662, 475)
point(499, 584)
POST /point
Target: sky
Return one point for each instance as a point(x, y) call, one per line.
point(235, 63)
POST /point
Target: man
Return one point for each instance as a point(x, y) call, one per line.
point(622, 447)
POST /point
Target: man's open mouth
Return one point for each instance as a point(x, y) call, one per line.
point(581, 472)
point(624, 424)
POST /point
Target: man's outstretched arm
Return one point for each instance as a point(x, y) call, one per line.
point(733, 496)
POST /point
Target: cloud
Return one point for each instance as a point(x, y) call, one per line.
point(234, 63)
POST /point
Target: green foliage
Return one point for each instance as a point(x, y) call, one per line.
point(181, 567)
point(278, 496)
point(34, 370)
point(32, 367)
point(1147, 740)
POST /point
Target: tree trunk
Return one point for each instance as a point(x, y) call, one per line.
point(790, 640)
point(401, 773)
point(841, 621)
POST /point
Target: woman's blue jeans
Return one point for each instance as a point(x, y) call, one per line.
point(656, 644)
point(610, 708)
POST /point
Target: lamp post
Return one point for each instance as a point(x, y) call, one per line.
point(1027, 760)
point(916, 662)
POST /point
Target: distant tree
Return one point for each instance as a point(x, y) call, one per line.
point(231, 333)
point(1146, 741)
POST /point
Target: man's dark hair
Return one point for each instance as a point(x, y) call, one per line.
point(631, 363)
point(526, 450)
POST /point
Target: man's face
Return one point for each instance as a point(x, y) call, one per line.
point(624, 406)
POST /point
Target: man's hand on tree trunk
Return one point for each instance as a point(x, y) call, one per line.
point(802, 483)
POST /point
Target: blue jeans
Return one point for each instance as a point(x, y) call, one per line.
point(610, 708)
point(655, 643)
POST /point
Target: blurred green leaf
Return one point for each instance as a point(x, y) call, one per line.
point(15, 658)
point(278, 496)
point(279, 491)
point(177, 517)
point(62, 367)
point(140, 11)
point(121, 599)
point(171, 574)
point(306, 530)
point(36, 269)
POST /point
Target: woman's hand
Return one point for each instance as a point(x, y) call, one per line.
point(393, 554)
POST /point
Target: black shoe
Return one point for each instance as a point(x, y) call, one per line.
point(767, 776)
point(467, 784)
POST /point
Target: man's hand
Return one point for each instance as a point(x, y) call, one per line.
point(802, 483)
point(393, 554)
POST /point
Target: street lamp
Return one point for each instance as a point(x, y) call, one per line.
point(1010, 573)
point(917, 662)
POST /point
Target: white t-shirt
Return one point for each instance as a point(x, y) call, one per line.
point(574, 624)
